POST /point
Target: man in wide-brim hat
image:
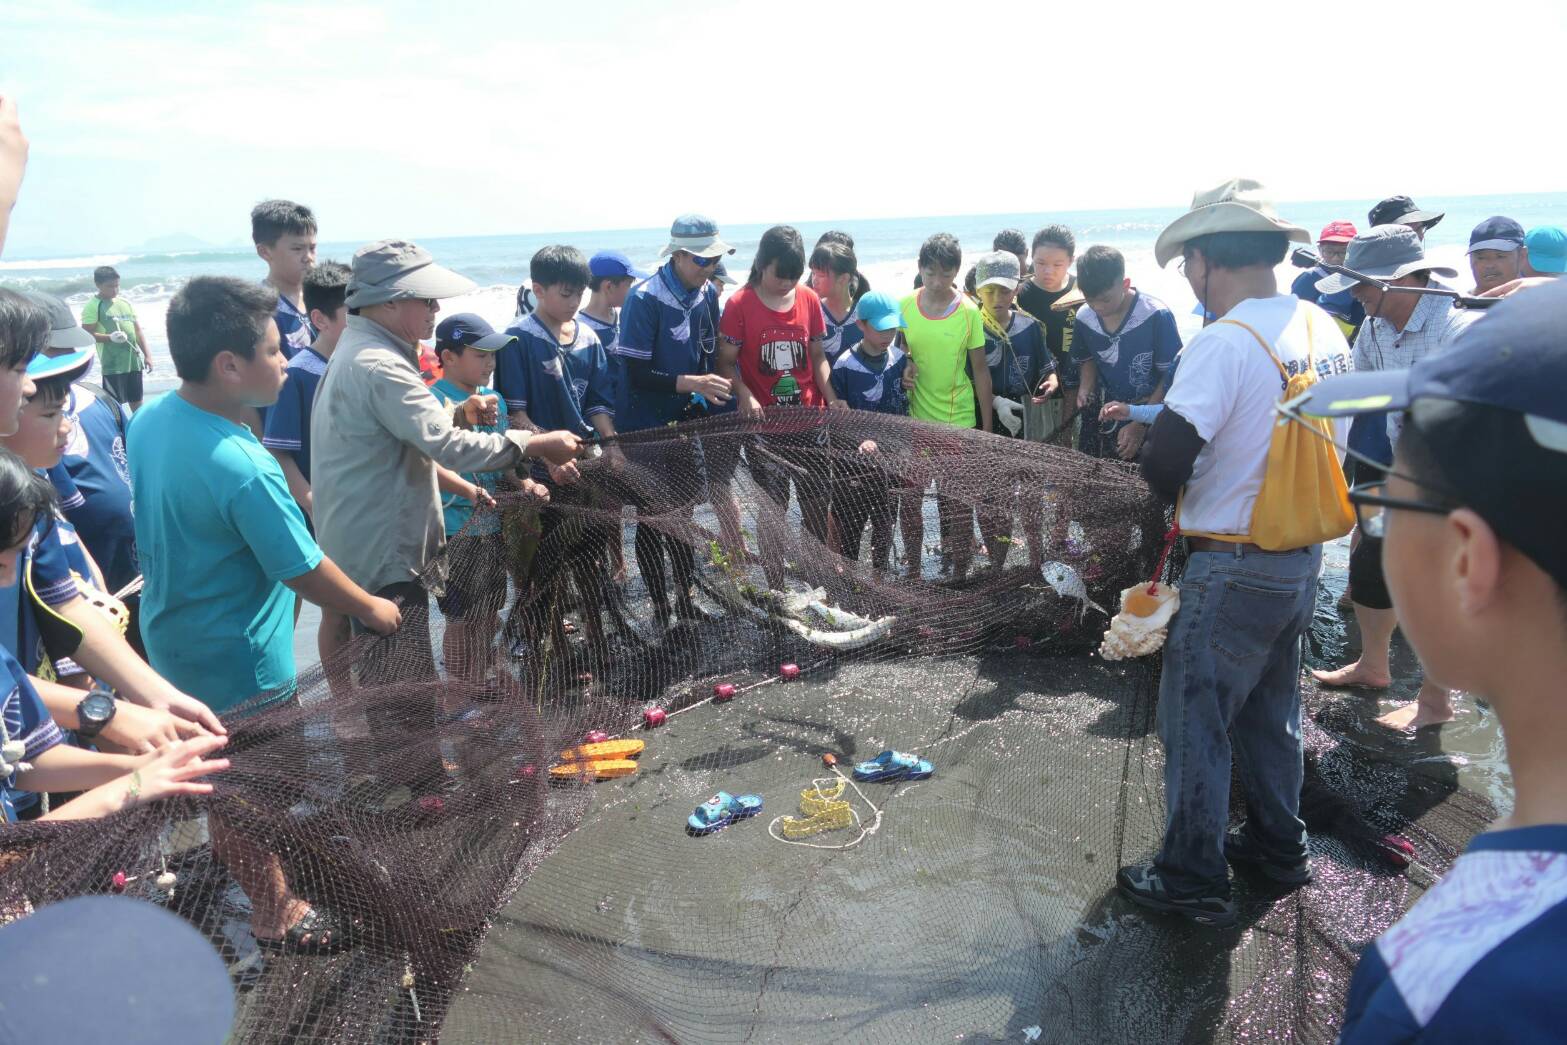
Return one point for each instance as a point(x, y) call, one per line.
point(1401, 328)
point(1232, 658)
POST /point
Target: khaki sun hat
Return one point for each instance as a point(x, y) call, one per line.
point(1239, 205)
point(394, 270)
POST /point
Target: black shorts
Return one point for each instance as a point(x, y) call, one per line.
point(124, 387)
point(476, 583)
point(1367, 585)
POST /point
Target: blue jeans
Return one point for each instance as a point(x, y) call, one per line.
point(1232, 684)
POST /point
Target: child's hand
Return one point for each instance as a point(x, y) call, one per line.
point(119, 337)
point(565, 474)
point(1085, 396)
point(714, 389)
point(557, 448)
point(383, 617)
point(868, 447)
point(837, 404)
point(175, 771)
point(480, 497)
point(535, 489)
point(910, 375)
point(140, 730)
point(747, 406)
point(1130, 440)
point(1115, 411)
point(1047, 388)
point(480, 410)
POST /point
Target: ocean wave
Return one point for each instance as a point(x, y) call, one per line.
point(88, 263)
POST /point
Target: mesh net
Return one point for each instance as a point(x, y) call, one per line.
point(689, 593)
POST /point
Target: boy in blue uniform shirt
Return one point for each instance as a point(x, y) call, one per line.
point(287, 432)
point(1470, 514)
point(869, 376)
point(284, 233)
point(1125, 342)
point(611, 275)
point(476, 587)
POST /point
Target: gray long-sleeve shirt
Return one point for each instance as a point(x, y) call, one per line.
point(376, 434)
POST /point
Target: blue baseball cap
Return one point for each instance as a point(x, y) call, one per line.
point(1493, 415)
point(470, 331)
point(1496, 233)
point(880, 310)
point(614, 265)
point(110, 968)
point(1547, 248)
point(72, 365)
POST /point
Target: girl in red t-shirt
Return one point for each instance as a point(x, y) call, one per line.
point(771, 348)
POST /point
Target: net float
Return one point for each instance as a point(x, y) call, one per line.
point(117, 883)
point(789, 671)
point(595, 736)
point(431, 804)
point(724, 691)
point(653, 717)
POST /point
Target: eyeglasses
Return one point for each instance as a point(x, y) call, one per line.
point(1372, 505)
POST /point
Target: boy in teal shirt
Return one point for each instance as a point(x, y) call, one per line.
point(122, 352)
point(476, 588)
point(223, 550)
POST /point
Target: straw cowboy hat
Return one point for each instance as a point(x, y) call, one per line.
point(1239, 205)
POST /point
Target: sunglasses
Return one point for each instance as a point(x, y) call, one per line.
point(702, 262)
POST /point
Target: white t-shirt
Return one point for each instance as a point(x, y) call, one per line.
point(1228, 388)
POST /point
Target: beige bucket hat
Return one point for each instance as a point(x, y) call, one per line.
point(1239, 205)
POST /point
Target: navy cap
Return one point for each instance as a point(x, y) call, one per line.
point(1401, 210)
point(110, 968)
point(1492, 410)
point(1496, 233)
point(470, 331)
point(614, 265)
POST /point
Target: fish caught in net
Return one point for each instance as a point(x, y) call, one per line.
point(615, 822)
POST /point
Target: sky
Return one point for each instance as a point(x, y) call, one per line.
point(154, 119)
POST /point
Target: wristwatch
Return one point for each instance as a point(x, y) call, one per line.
point(95, 711)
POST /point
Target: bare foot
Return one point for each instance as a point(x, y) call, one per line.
point(1416, 714)
point(1352, 675)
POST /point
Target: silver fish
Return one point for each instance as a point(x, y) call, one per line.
point(1067, 583)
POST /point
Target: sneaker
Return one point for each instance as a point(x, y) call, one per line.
point(1242, 850)
point(1145, 887)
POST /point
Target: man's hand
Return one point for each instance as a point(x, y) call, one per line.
point(716, 390)
point(139, 730)
point(1115, 411)
point(1130, 440)
point(184, 707)
point(565, 474)
point(480, 410)
point(1046, 389)
point(614, 458)
point(556, 448)
point(747, 406)
point(383, 617)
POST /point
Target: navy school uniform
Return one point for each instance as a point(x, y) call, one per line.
point(608, 334)
point(95, 489)
point(1136, 358)
point(841, 334)
point(666, 330)
point(288, 421)
point(1019, 363)
point(557, 386)
point(858, 381)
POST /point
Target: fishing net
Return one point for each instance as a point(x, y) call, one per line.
point(504, 883)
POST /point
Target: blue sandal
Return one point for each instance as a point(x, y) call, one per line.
point(722, 810)
point(893, 765)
